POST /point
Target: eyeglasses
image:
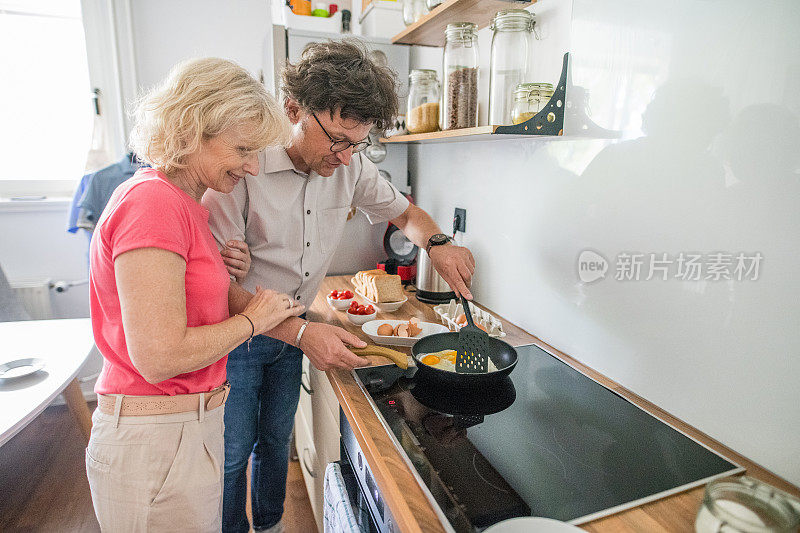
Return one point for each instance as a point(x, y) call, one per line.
point(341, 146)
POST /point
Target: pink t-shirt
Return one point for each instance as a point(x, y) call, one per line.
point(147, 211)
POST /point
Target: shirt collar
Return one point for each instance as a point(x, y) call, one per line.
point(275, 159)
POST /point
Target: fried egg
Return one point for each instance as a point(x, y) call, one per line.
point(446, 360)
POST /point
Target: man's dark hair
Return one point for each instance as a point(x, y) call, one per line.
point(341, 75)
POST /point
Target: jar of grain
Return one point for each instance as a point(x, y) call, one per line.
point(422, 115)
point(529, 99)
point(460, 71)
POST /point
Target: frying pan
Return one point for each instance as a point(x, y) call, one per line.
point(502, 354)
point(468, 407)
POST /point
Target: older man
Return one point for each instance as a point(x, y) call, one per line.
point(292, 215)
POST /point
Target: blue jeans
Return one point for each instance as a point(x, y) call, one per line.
point(259, 415)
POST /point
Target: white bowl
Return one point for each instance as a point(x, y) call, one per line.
point(527, 524)
point(360, 319)
point(428, 328)
point(386, 307)
point(339, 305)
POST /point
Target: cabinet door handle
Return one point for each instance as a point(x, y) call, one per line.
point(305, 464)
point(306, 388)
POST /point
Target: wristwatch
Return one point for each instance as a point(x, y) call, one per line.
point(437, 240)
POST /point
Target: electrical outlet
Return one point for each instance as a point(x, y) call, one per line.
point(460, 220)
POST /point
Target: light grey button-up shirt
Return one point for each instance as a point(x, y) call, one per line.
point(293, 222)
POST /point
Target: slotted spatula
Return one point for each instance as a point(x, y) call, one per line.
point(473, 345)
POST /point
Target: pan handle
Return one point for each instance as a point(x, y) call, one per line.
point(398, 358)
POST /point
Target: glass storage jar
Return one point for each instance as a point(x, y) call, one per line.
point(422, 115)
point(746, 505)
point(460, 71)
point(432, 3)
point(512, 46)
point(529, 99)
point(413, 10)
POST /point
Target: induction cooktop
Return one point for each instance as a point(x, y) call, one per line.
point(549, 442)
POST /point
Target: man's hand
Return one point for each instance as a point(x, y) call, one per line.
point(324, 346)
point(236, 257)
point(456, 266)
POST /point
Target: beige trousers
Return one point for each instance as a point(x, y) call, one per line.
point(157, 473)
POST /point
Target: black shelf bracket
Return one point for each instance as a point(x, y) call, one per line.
point(550, 120)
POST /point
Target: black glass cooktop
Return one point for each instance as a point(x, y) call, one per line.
point(547, 442)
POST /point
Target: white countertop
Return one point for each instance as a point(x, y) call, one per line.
point(63, 344)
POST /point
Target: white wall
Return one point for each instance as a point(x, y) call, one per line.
point(705, 96)
point(167, 32)
point(35, 246)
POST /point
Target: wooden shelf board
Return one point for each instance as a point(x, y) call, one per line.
point(429, 30)
point(480, 133)
point(448, 134)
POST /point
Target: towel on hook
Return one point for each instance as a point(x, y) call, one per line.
point(338, 516)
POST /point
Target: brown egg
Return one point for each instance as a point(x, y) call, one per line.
point(386, 330)
point(402, 330)
point(461, 319)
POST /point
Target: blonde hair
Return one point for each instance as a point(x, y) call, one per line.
point(201, 98)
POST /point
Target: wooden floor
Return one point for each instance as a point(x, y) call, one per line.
point(43, 484)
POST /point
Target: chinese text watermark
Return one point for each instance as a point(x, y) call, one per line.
point(684, 266)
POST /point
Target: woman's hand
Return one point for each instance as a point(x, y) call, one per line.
point(268, 308)
point(236, 257)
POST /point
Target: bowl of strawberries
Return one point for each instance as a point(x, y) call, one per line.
point(340, 300)
point(360, 314)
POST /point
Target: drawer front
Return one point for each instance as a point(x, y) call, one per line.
point(304, 405)
point(327, 437)
point(313, 473)
point(324, 389)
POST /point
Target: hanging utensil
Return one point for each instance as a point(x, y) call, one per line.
point(473, 345)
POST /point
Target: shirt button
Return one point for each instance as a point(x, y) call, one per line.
point(308, 244)
point(306, 274)
point(297, 297)
point(308, 211)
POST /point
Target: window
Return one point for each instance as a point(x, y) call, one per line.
point(46, 106)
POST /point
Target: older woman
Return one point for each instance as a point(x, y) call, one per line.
point(159, 302)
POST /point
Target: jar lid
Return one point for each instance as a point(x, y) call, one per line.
point(422, 74)
point(747, 504)
point(461, 30)
point(526, 90)
point(513, 19)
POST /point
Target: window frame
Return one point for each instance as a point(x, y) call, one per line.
point(101, 20)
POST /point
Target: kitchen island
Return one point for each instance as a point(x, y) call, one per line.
point(398, 485)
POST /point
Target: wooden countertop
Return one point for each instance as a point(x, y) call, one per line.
point(402, 493)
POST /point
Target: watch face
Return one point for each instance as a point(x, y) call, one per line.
point(439, 239)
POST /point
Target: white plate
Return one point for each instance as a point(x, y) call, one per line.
point(386, 307)
point(532, 524)
point(21, 367)
point(428, 328)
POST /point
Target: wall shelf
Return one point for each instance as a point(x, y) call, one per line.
point(549, 122)
point(429, 30)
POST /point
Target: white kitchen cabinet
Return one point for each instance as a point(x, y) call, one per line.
point(317, 433)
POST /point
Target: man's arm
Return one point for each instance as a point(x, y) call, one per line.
point(455, 263)
point(323, 344)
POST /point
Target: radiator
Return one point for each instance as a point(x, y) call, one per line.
point(34, 295)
